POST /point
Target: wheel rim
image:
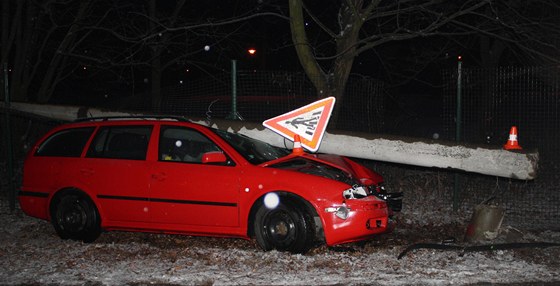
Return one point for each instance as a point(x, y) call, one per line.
point(280, 228)
point(72, 216)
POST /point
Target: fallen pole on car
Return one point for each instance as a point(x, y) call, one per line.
point(485, 160)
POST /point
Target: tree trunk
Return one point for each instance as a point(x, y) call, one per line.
point(334, 82)
point(345, 48)
point(16, 38)
point(5, 30)
point(306, 57)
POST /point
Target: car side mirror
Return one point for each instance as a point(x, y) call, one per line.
point(214, 157)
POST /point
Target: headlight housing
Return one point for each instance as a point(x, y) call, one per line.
point(355, 192)
point(393, 199)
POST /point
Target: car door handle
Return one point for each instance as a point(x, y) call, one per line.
point(159, 176)
point(87, 171)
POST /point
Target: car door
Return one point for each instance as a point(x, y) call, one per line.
point(186, 192)
point(115, 168)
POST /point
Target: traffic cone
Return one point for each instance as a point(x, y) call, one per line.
point(512, 141)
point(298, 150)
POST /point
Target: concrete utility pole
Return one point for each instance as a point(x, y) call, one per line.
point(520, 165)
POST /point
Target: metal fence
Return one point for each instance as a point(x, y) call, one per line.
point(25, 129)
point(265, 94)
point(493, 100)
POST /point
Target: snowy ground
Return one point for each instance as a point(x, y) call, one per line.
point(32, 254)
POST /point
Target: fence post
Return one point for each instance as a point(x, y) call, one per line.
point(233, 115)
point(8, 138)
point(458, 119)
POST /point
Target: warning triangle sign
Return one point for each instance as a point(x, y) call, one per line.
point(309, 122)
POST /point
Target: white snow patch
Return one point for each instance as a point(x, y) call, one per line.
point(31, 253)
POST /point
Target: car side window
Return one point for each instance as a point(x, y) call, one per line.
point(65, 143)
point(183, 144)
point(120, 142)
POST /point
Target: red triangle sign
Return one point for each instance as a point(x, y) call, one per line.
point(309, 122)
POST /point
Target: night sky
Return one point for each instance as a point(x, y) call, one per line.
point(116, 44)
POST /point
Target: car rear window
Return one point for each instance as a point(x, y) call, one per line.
point(120, 142)
point(65, 143)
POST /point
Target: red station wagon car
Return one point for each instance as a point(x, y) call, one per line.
point(168, 175)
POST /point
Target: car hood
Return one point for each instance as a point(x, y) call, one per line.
point(325, 165)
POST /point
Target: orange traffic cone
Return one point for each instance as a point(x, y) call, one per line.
point(512, 141)
point(298, 150)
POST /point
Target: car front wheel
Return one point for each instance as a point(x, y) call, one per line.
point(286, 227)
point(74, 216)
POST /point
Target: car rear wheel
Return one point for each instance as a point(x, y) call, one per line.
point(74, 216)
point(286, 227)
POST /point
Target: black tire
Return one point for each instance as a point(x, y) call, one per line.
point(74, 216)
point(288, 227)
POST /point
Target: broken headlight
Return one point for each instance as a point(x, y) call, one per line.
point(355, 192)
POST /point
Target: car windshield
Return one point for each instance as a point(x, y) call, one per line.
point(254, 151)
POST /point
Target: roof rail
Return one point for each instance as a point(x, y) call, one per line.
point(132, 117)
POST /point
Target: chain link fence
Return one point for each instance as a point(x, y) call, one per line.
point(25, 130)
point(493, 100)
point(262, 95)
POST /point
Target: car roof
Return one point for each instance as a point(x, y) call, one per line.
point(124, 121)
point(133, 117)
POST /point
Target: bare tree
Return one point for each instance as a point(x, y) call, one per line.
point(36, 36)
point(162, 39)
point(48, 42)
point(360, 26)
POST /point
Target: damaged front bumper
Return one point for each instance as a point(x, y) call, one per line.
point(363, 219)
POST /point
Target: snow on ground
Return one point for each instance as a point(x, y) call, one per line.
point(31, 253)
